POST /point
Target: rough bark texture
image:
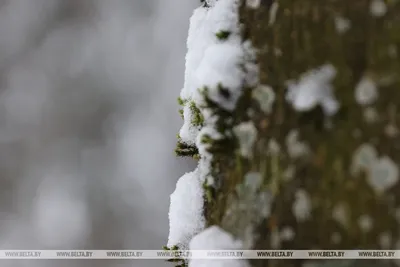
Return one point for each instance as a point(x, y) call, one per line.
point(303, 37)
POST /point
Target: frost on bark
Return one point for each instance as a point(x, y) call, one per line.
point(322, 172)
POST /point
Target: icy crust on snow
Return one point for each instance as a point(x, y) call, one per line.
point(212, 61)
point(215, 238)
point(186, 210)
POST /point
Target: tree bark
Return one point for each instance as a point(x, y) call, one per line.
point(292, 37)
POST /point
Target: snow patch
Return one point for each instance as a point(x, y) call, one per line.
point(213, 64)
point(378, 8)
point(363, 158)
point(253, 3)
point(391, 130)
point(342, 24)
point(188, 132)
point(366, 91)
point(215, 238)
point(265, 96)
point(314, 88)
point(302, 205)
point(384, 174)
point(296, 148)
point(273, 12)
point(253, 181)
point(246, 132)
point(186, 210)
point(211, 61)
point(273, 147)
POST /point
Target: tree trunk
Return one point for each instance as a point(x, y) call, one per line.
point(328, 163)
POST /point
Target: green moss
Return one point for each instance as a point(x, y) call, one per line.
point(181, 101)
point(209, 192)
point(206, 139)
point(197, 117)
point(184, 150)
point(223, 35)
point(179, 262)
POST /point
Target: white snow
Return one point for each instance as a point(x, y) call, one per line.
point(313, 88)
point(391, 130)
point(363, 158)
point(188, 132)
point(253, 3)
point(302, 205)
point(253, 181)
point(342, 24)
point(378, 8)
point(272, 13)
point(273, 147)
point(366, 91)
point(204, 55)
point(246, 132)
point(211, 62)
point(296, 148)
point(186, 210)
point(265, 96)
point(384, 174)
point(215, 238)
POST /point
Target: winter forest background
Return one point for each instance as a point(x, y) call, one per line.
point(88, 119)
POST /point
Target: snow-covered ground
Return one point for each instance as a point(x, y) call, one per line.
point(88, 118)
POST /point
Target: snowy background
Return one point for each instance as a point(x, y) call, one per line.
point(88, 119)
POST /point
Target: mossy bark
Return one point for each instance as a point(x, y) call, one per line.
point(302, 37)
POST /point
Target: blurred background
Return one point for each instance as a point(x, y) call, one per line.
point(88, 123)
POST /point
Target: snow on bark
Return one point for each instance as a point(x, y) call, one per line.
point(185, 214)
point(314, 88)
point(213, 58)
point(216, 69)
point(215, 238)
point(366, 91)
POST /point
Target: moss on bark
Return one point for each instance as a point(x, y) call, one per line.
point(304, 35)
